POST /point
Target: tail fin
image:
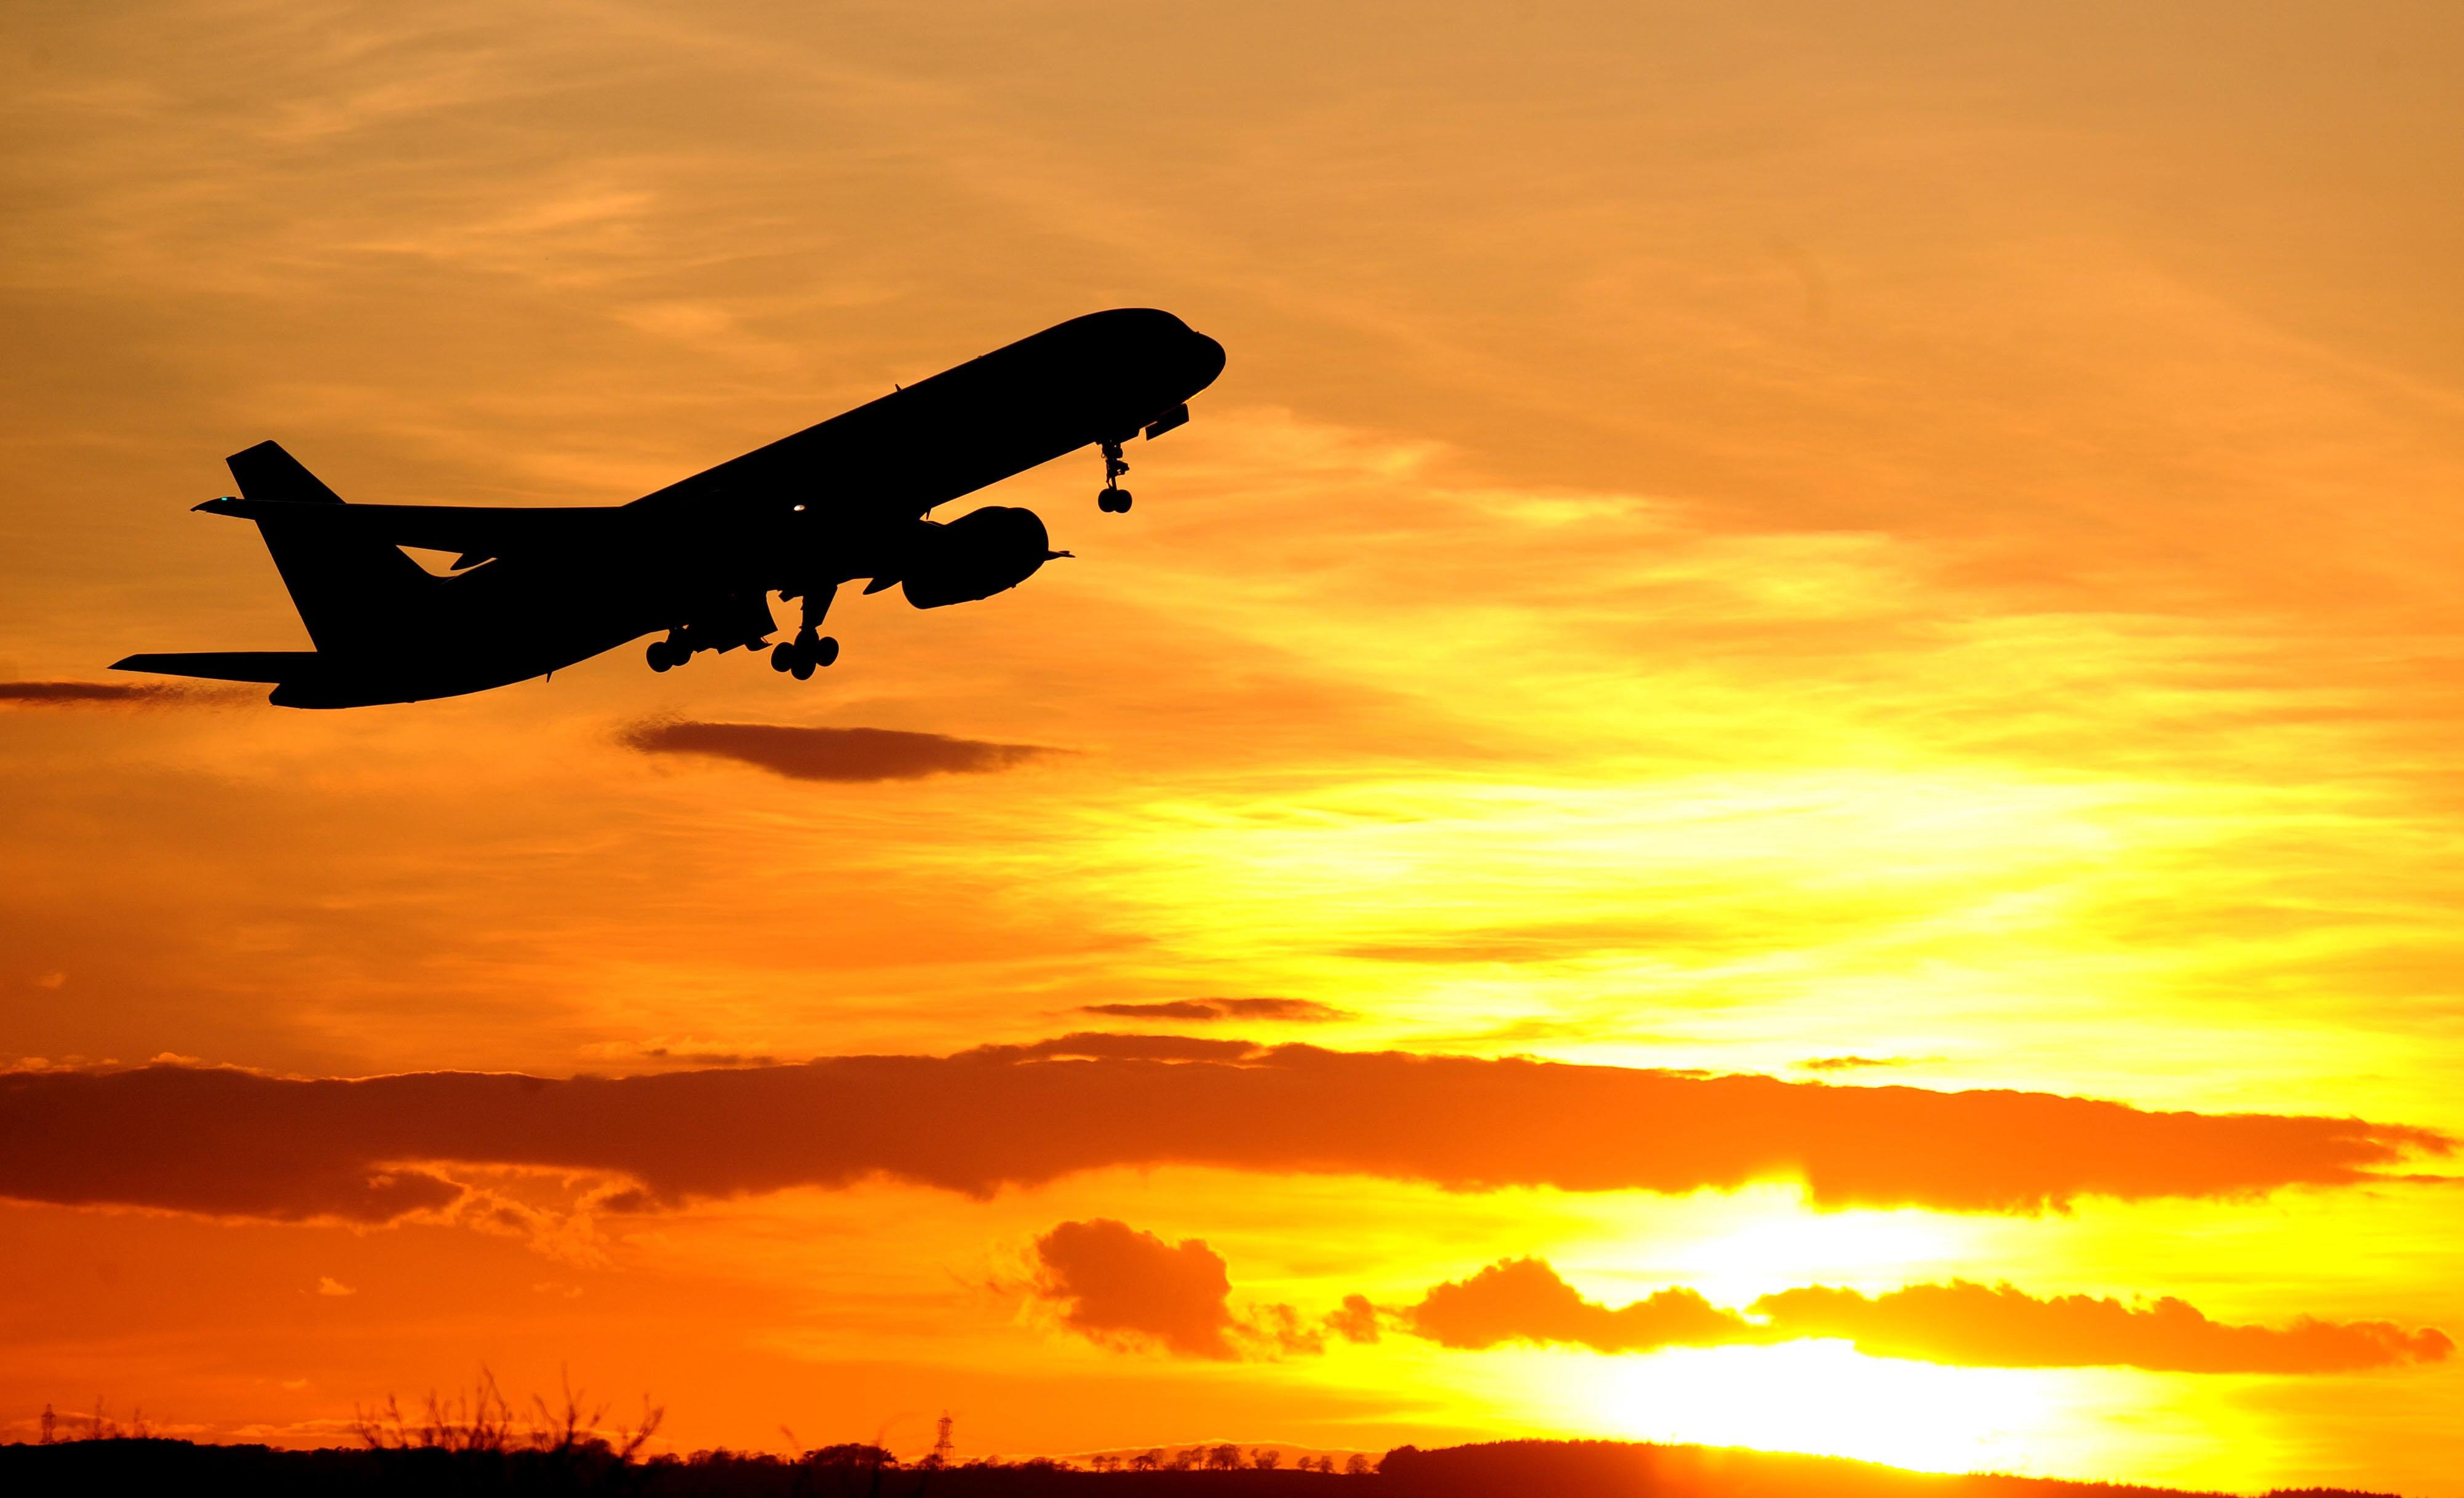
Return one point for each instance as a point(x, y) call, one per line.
point(265, 472)
point(353, 593)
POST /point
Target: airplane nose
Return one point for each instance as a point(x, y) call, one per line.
point(1206, 357)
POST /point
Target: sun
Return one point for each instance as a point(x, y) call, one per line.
point(1825, 1397)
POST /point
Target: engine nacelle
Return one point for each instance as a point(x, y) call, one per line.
point(977, 555)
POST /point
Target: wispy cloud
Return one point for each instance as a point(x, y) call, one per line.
point(857, 754)
point(109, 693)
point(1096, 1045)
point(1298, 1011)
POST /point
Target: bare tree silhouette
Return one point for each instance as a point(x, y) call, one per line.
point(483, 1419)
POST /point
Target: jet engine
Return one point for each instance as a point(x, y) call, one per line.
point(976, 556)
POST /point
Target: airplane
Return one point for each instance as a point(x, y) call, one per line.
point(532, 590)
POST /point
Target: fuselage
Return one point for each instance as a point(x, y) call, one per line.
point(835, 502)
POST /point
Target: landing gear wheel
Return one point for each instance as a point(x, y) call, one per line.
point(657, 655)
point(783, 657)
point(1112, 502)
point(803, 669)
point(826, 653)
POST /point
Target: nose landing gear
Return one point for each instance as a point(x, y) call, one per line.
point(1113, 498)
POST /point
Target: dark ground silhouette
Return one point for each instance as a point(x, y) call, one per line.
point(1508, 1469)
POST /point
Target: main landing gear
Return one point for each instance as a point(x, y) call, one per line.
point(742, 620)
point(1113, 498)
point(724, 632)
point(811, 649)
point(800, 656)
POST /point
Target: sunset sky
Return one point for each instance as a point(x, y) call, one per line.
point(1777, 766)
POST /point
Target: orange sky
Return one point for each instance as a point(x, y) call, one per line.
point(1731, 538)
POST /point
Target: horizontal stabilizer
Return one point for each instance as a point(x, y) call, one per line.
point(225, 665)
point(469, 531)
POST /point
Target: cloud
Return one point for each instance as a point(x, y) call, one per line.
point(233, 1142)
point(1092, 1044)
point(1851, 1062)
point(1355, 1320)
point(1963, 1323)
point(1298, 1011)
point(1172, 1009)
point(2000, 1327)
point(831, 754)
point(1123, 1287)
point(1523, 1300)
point(1113, 1282)
point(104, 693)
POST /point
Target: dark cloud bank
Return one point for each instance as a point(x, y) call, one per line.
point(232, 1142)
point(1124, 1288)
point(830, 754)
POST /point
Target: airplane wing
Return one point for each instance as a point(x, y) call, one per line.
point(474, 533)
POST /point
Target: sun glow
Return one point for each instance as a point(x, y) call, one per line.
point(1825, 1397)
point(1780, 1245)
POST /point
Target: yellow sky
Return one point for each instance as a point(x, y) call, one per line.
point(1729, 537)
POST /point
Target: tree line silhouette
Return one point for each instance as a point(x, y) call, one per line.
point(482, 1442)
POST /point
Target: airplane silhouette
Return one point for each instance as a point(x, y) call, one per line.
point(534, 589)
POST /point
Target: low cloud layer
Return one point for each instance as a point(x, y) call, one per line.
point(1996, 1326)
point(1133, 1290)
point(1523, 1300)
point(854, 754)
point(232, 1142)
point(1972, 1325)
point(1301, 1012)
